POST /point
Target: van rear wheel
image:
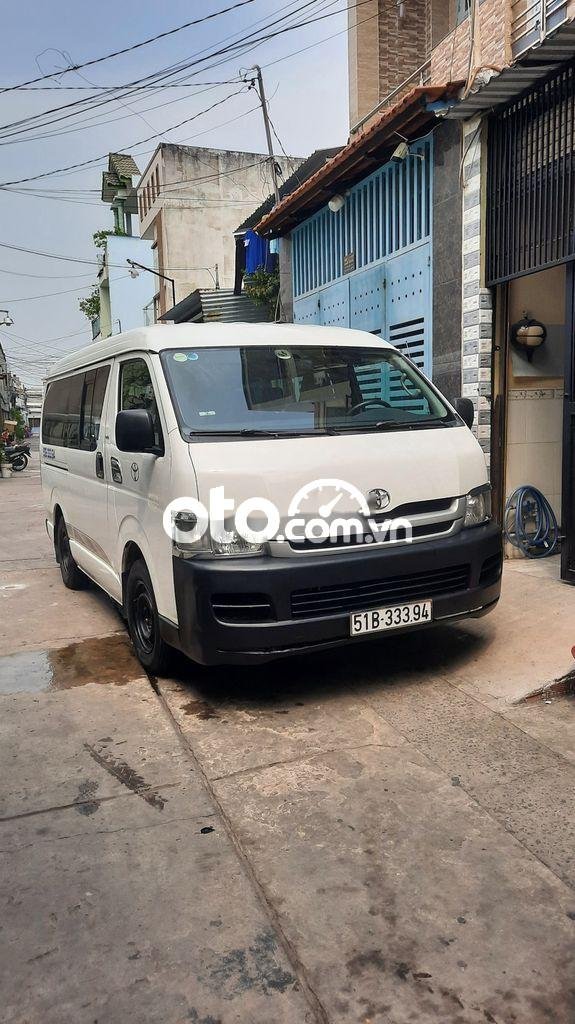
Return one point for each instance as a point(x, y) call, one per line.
point(72, 575)
point(144, 621)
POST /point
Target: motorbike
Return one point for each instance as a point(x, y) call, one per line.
point(18, 456)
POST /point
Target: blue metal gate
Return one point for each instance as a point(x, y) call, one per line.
point(384, 232)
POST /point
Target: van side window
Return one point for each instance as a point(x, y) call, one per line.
point(92, 405)
point(61, 412)
point(137, 392)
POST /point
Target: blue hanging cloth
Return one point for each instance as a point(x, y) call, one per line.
point(257, 252)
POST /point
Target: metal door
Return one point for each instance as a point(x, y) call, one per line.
point(568, 488)
point(407, 323)
point(367, 300)
point(334, 305)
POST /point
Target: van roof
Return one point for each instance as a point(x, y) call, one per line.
point(159, 337)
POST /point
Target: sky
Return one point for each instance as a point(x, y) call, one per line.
point(307, 93)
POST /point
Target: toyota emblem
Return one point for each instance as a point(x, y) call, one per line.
point(378, 499)
point(135, 471)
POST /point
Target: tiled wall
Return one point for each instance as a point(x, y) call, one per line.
point(534, 442)
point(477, 320)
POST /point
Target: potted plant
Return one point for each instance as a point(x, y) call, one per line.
point(5, 468)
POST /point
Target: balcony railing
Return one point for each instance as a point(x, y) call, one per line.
point(532, 20)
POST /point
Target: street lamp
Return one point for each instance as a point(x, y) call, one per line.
point(135, 269)
point(6, 320)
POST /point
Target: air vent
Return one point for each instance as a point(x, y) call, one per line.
point(242, 607)
point(336, 599)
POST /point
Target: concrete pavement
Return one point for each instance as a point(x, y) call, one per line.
point(378, 835)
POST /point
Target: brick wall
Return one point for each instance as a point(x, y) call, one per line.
point(404, 42)
point(450, 58)
point(363, 59)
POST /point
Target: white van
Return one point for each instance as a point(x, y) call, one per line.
point(295, 432)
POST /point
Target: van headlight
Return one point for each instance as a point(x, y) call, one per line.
point(478, 506)
point(234, 545)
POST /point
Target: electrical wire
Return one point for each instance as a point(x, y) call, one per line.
point(242, 43)
point(67, 291)
point(130, 49)
point(162, 73)
point(141, 142)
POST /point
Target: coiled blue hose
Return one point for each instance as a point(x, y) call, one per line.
point(530, 523)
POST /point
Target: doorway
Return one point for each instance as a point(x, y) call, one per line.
point(534, 398)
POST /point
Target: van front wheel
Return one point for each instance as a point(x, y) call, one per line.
point(144, 621)
point(72, 576)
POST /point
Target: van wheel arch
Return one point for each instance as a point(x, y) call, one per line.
point(132, 553)
point(57, 516)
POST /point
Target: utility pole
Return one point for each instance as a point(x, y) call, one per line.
point(264, 106)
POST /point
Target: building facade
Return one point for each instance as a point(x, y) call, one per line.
point(372, 235)
point(500, 239)
point(126, 297)
point(392, 46)
point(516, 116)
point(190, 202)
point(35, 398)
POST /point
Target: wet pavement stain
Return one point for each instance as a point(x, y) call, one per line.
point(101, 660)
point(86, 803)
point(127, 776)
point(200, 709)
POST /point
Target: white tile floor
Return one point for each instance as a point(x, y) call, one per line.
point(545, 568)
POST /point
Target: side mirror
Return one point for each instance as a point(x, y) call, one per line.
point(135, 431)
point(465, 408)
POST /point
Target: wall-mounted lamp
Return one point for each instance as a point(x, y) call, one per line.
point(403, 151)
point(5, 318)
point(527, 335)
point(336, 203)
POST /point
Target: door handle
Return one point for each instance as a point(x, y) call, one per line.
point(100, 465)
point(116, 471)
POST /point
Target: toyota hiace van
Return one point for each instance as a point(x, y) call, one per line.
point(250, 491)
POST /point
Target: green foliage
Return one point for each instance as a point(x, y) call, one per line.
point(100, 237)
point(16, 414)
point(90, 307)
point(4, 460)
point(263, 287)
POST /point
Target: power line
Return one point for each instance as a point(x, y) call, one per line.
point(95, 160)
point(156, 76)
point(67, 291)
point(247, 41)
point(129, 49)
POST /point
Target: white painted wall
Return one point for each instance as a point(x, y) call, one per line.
point(191, 201)
point(535, 404)
point(128, 295)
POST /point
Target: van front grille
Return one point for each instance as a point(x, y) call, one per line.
point(417, 532)
point(415, 586)
point(242, 607)
point(417, 508)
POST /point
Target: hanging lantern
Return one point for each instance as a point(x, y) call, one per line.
point(527, 335)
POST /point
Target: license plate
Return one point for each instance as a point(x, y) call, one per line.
point(394, 617)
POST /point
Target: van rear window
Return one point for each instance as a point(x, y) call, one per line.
point(72, 409)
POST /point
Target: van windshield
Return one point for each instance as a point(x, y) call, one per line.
point(299, 389)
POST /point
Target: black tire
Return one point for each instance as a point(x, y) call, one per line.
point(72, 575)
point(144, 622)
point(19, 462)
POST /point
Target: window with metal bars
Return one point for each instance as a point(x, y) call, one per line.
point(531, 180)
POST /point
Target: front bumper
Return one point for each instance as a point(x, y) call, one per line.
point(200, 584)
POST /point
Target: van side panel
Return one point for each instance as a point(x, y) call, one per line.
point(73, 469)
point(140, 485)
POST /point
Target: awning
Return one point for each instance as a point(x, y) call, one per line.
point(409, 118)
point(538, 62)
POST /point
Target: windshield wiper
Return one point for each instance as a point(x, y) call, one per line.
point(383, 425)
point(254, 432)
